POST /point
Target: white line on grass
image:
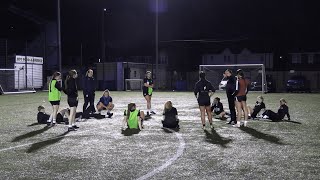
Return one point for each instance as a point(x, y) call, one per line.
point(168, 162)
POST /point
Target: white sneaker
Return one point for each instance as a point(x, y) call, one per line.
point(237, 125)
point(245, 123)
point(265, 117)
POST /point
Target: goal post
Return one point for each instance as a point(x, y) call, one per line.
point(133, 84)
point(14, 81)
point(256, 73)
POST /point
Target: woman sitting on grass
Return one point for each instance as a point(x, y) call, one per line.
point(217, 109)
point(282, 112)
point(258, 107)
point(105, 103)
point(133, 117)
point(170, 116)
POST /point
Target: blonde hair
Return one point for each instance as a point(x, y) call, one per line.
point(89, 70)
point(107, 90)
point(283, 100)
point(71, 73)
point(167, 106)
point(260, 97)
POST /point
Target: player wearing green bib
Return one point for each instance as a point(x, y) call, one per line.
point(54, 96)
point(147, 91)
point(133, 117)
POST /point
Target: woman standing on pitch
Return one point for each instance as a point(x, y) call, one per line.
point(147, 91)
point(72, 92)
point(54, 96)
point(242, 86)
point(89, 92)
point(203, 90)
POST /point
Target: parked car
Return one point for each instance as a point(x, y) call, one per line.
point(257, 86)
point(223, 83)
point(297, 83)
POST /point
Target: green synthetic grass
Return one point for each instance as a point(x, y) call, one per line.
point(100, 150)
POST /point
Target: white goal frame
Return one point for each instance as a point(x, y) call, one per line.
point(263, 73)
point(126, 81)
point(19, 91)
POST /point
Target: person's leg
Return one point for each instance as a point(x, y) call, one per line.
point(148, 99)
point(109, 108)
point(245, 110)
point(208, 110)
point(91, 107)
point(54, 113)
point(222, 115)
point(231, 103)
point(72, 118)
point(85, 104)
point(202, 111)
point(142, 116)
point(239, 112)
point(99, 106)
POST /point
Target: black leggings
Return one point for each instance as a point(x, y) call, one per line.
point(272, 115)
point(232, 107)
point(87, 100)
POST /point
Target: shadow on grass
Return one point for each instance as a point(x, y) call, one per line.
point(40, 145)
point(260, 135)
point(34, 124)
point(295, 122)
point(215, 138)
point(130, 132)
point(170, 130)
point(30, 134)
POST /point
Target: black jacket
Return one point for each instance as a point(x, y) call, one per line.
point(89, 85)
point(71, 89)
point(202, 88)
point(231, 85)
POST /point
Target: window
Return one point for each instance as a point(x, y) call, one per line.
point(296, 58)
point(304, 58)
point(310, 58)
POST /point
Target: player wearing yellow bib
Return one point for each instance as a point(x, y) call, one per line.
point(54, 96)
point(147, 91)
point(133, 117)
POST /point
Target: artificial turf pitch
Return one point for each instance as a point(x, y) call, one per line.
point(100, 150)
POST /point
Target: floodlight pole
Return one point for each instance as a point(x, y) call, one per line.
point(157, 42)
point(59, 35)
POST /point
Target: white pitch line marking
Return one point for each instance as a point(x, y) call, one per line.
point(168, 162)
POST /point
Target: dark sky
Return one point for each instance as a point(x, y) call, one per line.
point(130, 24)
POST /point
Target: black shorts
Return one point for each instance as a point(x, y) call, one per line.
point(241, 98)
point(145, 93)
point(53, 103)
point(73, 102)
point(204, 101)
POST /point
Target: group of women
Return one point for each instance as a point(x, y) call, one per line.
point(237, 97)
point(70, 88)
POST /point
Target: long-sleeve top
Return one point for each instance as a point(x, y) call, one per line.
point(283, 111)
point(231, 85)
point(202, 88)
point(71, 89)
point(242, 87)
point(89, 86)
point(217, 108)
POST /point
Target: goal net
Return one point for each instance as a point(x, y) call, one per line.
point(15, 81)
point(255, 73)
point(133, 84)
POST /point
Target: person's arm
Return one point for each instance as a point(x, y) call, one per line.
point(176, 114)
point(221, 107)
point(196, 90)
point(236, 89)
point(145, 82)
point(287, 112)
point(85, 86)
point(58, 85)
point(248, 85)
point(110, 102)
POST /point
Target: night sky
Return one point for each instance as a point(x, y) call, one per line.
point(130, 24)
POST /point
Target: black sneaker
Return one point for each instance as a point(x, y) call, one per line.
point(109, 115)
point(152, 112)
point(71, 129)
point(75, 126)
